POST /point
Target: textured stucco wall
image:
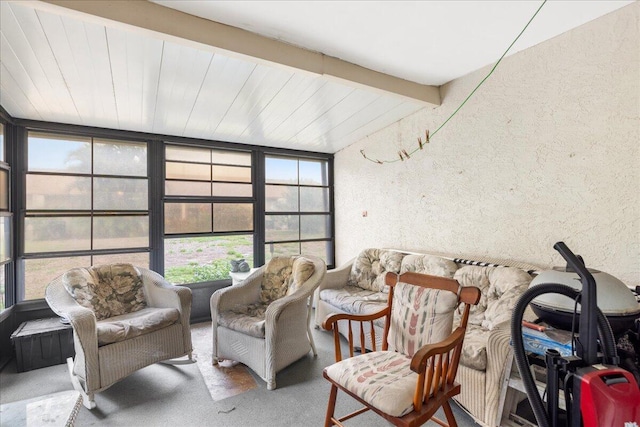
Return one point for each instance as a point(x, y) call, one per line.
point(547, 150)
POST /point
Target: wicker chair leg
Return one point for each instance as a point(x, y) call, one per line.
point(87, 398)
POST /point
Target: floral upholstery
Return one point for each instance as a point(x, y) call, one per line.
point(248, 319)
point(501, 287)
point(383, 379)
point(369, 268)
point(419, 316)
point(278, 280)
point(428, 264)
point(108, 290)
point(130, 325)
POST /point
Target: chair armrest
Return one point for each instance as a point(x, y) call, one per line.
point(421, 357)
point(331, 323)
point(337, 278)
point(499, 353)
point(247, 292)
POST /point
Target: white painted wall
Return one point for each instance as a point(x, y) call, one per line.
point(547, 150)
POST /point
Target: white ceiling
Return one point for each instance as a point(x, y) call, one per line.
point(63, 66)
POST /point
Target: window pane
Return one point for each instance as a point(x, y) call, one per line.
point(187, 218)
point(222, 189)
point(279, 228)
point(57, 234)
point(281, 198)
point(120, 194)
point(188, 154)
point(139, 259)
point(232, 217)
point(315, 227)
point(187, 188)
point(113, 232)
point(119, 158)
point(50, 153)
point(2, 156)
point(314, 172)
point(281, 171)
point(200, 259)
point(281, 249)
point(4, 189)
point(39, 272)
point(188, 171)
point(231, 173)
point(320, 249)
point(5, 241)
point(314, 199)
point(2, 287)
point(231, 158)
point(54, 192)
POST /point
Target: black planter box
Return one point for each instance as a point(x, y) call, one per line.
point(42, 342)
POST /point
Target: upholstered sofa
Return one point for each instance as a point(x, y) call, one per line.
point(358, 287)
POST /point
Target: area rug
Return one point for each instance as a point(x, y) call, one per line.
point(225, 379)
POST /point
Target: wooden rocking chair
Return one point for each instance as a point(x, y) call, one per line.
point(413, 374)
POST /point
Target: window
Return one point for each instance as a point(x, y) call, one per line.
point(6, 216)
point(298, 217)
point(87, 203)
point(208, 212)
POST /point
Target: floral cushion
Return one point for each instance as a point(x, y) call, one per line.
point(500, 287)
point(383, 379)
point(108, 290)
point(370, 267)
point(283, 276)
point(130, 325)
point(428, 264)
point(248, 319)
point(355, 300)
point(419, 316)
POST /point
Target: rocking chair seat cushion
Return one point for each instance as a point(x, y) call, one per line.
point(383, 379)
point(130, 325)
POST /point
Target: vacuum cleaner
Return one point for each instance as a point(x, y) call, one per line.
point(597, 392)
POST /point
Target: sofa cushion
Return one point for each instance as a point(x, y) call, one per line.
point(130, 325)
point(283, 276)
point(370, 267)
point(248, 319)
point(428, 264)
point(108, 290)
point(383, 379)
point(419, 316)
point(355, 300)
point(500, 287)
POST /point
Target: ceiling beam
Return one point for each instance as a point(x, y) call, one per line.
point(175, 26)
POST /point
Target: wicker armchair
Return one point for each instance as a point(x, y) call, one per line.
point(124, 318)
point(264, 321)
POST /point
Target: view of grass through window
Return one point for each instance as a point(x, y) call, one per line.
point(203, 259)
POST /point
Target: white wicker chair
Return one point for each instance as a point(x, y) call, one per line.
point(97, 366)
point(281, 335)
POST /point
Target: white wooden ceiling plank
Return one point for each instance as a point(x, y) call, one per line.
point(225, 78)
point(324, 99)
point(14, 70)
point(118, 65)
point(260, 89)
point(292, 96)
point(24, 33)
point(335, 141)
point(152, 54)
point(181, 76)
point(58, 37)
point(339, 113)
point(14, 99)
point(92, 59)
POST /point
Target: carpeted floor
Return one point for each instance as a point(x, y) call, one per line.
point(165, 395)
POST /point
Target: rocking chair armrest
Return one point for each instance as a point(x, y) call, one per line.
point(334, 318)
point(422, 356)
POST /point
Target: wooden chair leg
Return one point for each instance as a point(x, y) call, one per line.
point(331, 406)
point(446, 407)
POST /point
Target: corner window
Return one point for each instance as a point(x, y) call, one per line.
point(6, 217)
point(87, 203)
point(298, 217)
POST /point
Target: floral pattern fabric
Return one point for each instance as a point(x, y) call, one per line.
point(130, 325)
point(283, 276)
point(428, 264)
point(370, 267)
point(383, 379)
point(108, 290)
point(419, 316)
point(249, 319)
